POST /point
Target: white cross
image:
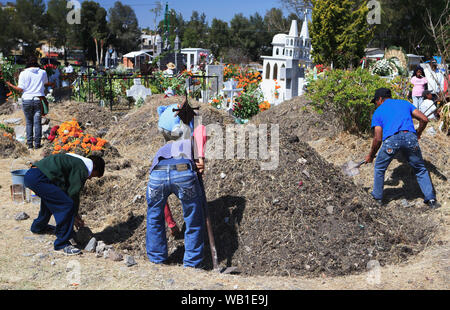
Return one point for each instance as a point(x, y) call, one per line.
point(138, 91)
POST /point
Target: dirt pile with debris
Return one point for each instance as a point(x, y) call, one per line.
point(10, 147)
point(303, 218)
point(297, 117)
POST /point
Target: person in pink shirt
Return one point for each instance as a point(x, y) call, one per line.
point(420, 82)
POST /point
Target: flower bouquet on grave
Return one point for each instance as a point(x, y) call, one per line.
point(247, 105)
point(69, 138)
point(265, 105)
point(217, 101)
point(50, 69)
point(202, 61)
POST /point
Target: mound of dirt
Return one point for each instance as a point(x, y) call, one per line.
point(91, 117)
point(11, 148)
point(303, 218)
point(297, 117)
point(6, 108)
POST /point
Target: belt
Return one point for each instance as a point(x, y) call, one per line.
point(179, 167)
point(401, 131)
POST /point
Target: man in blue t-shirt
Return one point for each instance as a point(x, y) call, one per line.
point(394, 128)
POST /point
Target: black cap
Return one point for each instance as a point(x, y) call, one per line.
point(381, 92)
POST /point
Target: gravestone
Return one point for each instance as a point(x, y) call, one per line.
point(216, 84)
point(138, 91)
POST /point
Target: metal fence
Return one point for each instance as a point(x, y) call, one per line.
point(99, 88)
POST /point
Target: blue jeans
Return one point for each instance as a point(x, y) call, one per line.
point(417, 101)
point(32, 111)
point(185, 185)
point(54, 201)
point(407, 143)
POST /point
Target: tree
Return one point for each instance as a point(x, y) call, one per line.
point(7, 35)
point(339, 32)
point(30, 22)
point(124, 27)
point(297, 6)
point(219, 37)
point(58, 29)
point(92, 33)
point(404, 23)
point(240, 34)
point(275, 21)
point(195, 33)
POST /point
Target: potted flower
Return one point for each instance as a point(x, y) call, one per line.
point(246, 106)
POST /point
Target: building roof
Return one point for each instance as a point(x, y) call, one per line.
point(305, 32)
point(137, 53)
point(293, 32)
point(279, 39)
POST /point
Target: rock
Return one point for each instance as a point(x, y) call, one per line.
point(372, 264)
point(223, 175)
point(27, 254)
point(12, 121)
point(129, 260)
point(41, 255)
point(405, 203)
point(305, 172)
point(21, 216)
point(171, 281)
point(112, 255)
point(330, 209)
point(91, 246)
point(137, 198)
point(302, 161)
point(275, 201)
point(293, 139)
point(100, 248)
point(431, 131)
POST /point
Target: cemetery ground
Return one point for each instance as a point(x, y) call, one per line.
point(275, 231)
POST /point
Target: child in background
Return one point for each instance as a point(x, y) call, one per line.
point(419, 81)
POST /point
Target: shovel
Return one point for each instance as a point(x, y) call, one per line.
point(212, 245)
point(351, 168)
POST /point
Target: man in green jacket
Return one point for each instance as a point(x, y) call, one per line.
point(58, 180)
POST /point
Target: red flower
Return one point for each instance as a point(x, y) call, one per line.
point(93, 140)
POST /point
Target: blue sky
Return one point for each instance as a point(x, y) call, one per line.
point(224, 9)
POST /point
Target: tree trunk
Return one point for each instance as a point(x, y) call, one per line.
point(96, 50)
point(101, 52)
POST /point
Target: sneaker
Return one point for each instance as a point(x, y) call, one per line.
point(433, 204)
point(37, 147)
point(379, 202)
point(30, 147)
point(69, 250)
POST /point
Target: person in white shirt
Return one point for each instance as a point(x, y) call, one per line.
point(435, 81)
point(55, 78)
point(68, 68)
point(428, 107)
point(32, 82)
